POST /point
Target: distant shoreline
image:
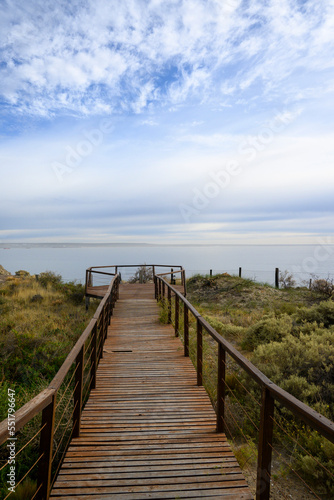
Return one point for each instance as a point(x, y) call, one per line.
point(8, 246)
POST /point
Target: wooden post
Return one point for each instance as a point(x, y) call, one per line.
point(109, 307)
point(100, 335)
point(184, 282)
point(163, 289)
point(93, 359)
point(169, 305)
point(210, 273)
point(220, 427)
point(186, 330)
point(276, 277)
point(105, 323)
point(78, 393)
point(310, 285)
point(155, 286)
point(177, 309)
point(199, 353)
point(117, 286)
point(239, 272)
point(172, 277)
point(45, 449)
point(265, 446)
point(159, 292)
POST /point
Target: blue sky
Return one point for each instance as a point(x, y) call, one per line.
point(177, 121)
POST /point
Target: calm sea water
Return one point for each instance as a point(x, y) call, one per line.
point(257, 261)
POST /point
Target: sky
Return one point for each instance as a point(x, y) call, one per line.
point(167, 121)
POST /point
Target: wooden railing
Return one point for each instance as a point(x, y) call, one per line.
point(270, 392)
point(115, 269)
point(78, 374)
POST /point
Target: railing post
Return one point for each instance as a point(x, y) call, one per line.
point(240, 270)
point(118, 280)
point(105, 321)
point(163, 289)
point(265, 446)
point(221, 388)
point(184, 283)
point(186, 329)
point(276, 277)
point(100, 335)
point(45, 449)
point(78, 393)
point(159, 292)
point(169, 305)
point(155, 286)
point(177, 311)
point(93, 359)
point(199, 353)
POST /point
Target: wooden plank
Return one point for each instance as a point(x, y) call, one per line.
point(217, 494)
point(147, 430)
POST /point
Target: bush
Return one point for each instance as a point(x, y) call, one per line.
point(227, 330)
point(323, 286)
point(267, 330)
point(142, 275)
point(50, 278)
point(302, 366)
point(75, 292)
point(286, 280)
point(322, 314)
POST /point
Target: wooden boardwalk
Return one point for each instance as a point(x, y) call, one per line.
point(147, 430)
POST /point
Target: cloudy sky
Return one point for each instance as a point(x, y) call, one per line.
point(167, 120)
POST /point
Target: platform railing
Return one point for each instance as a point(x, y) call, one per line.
point(270, 392)
point(96, 272)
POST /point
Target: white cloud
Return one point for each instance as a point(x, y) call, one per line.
point(177, 49)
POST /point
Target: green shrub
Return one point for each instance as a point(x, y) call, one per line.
point(320, 450)
point(303, 366)
point(267, 330)
point(322, 314)
point(74, 291)
point(50, 278)
point(227, 330)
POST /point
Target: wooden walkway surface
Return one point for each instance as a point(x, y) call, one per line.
point(147, 430)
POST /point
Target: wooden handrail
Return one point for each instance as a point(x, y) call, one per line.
point(27, 412)
point(45, 401)
point(270, 391)
point(91, 270)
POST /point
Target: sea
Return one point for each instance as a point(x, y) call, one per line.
point(257, 262)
